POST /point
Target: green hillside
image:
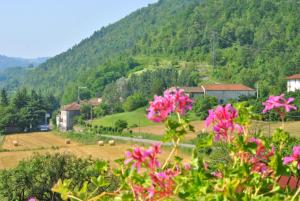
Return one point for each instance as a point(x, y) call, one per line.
point(251, 42)
point(137, 118)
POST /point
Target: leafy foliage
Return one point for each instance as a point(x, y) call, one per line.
point(38, 175)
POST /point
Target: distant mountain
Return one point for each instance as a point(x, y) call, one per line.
point(10, 62)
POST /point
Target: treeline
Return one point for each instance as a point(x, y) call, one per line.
point(24, 110)
point(136, 90)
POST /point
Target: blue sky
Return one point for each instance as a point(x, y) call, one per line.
point(38, 28)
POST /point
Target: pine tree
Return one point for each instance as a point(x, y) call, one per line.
point(4, 99)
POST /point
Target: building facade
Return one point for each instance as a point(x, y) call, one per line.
point(223, 92)
point(293, 83)
point(65, 120)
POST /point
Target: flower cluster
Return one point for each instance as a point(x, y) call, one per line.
point(223, 120)
point(279, 102)
point(295, 157)
point(260, 159)
point(162, 185)
point(162, 182)
point(139, 156)
point(173, 100)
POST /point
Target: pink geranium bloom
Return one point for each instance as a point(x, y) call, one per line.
point(138, 156)
point(217, 174)
point(173, 100)
point(294, 157)
point(223, 120)
point(160, 109)
point(279, 102)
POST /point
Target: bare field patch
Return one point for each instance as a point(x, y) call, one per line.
point(37, 140)
point(33, 141)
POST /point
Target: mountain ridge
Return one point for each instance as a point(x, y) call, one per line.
point(11, 62)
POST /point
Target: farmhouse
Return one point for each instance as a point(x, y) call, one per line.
point(293, 83)
point(223, 92)
point(64, 120)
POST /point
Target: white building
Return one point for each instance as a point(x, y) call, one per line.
point(223, 92)
point(65, 120)
point(293, 83)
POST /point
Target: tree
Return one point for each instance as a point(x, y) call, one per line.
point(4, 99)
point(121, 124)
point(203, 104)
point(134, 101)
point(85, 111)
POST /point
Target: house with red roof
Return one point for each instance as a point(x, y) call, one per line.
point(223, 92)
point(293, 83)
point(65, 120)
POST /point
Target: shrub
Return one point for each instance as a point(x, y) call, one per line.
point(203, 104)
point(134, 101)
point(36, 177)
point(121, 124)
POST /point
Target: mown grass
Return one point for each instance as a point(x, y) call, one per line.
point(137, 118)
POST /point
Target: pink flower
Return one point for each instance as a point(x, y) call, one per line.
point(217, 174)
point(223, 120)
point(279, 102)
point(182, 102)
point(138, 156)
point(187, 166)
point(162, 185)
point(294, 157)
point(174, 100)
point(260, 159)
point(160, 109)
point(32, 199)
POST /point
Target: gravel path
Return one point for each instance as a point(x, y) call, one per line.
point(145, 140)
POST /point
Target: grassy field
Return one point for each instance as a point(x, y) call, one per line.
point(137, 117)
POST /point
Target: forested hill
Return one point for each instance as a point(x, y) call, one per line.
point(251, 42)
point(11, 62)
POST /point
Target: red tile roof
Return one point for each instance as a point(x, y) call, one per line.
point(292, 77)
point(192, 89)
point(227, 87)
point(71, 107)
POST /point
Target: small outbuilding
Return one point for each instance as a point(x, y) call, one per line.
point(223, 92)
point(293, 83)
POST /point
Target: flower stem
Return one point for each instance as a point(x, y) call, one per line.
point(171, 153)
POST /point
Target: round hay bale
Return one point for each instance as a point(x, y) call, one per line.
point(111, 142)
point(68, 141)
point(100, 143)
point(15, 143)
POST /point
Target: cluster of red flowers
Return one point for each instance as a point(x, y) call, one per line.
point(162, 182)
point(223, 120)
point(260, 159)
point(174, 100)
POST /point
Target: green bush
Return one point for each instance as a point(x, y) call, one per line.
point(36, 177)
point(203, 104)
point(120, 125)
point(133, 102)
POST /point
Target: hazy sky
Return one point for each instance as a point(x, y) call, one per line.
point(38, 28)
